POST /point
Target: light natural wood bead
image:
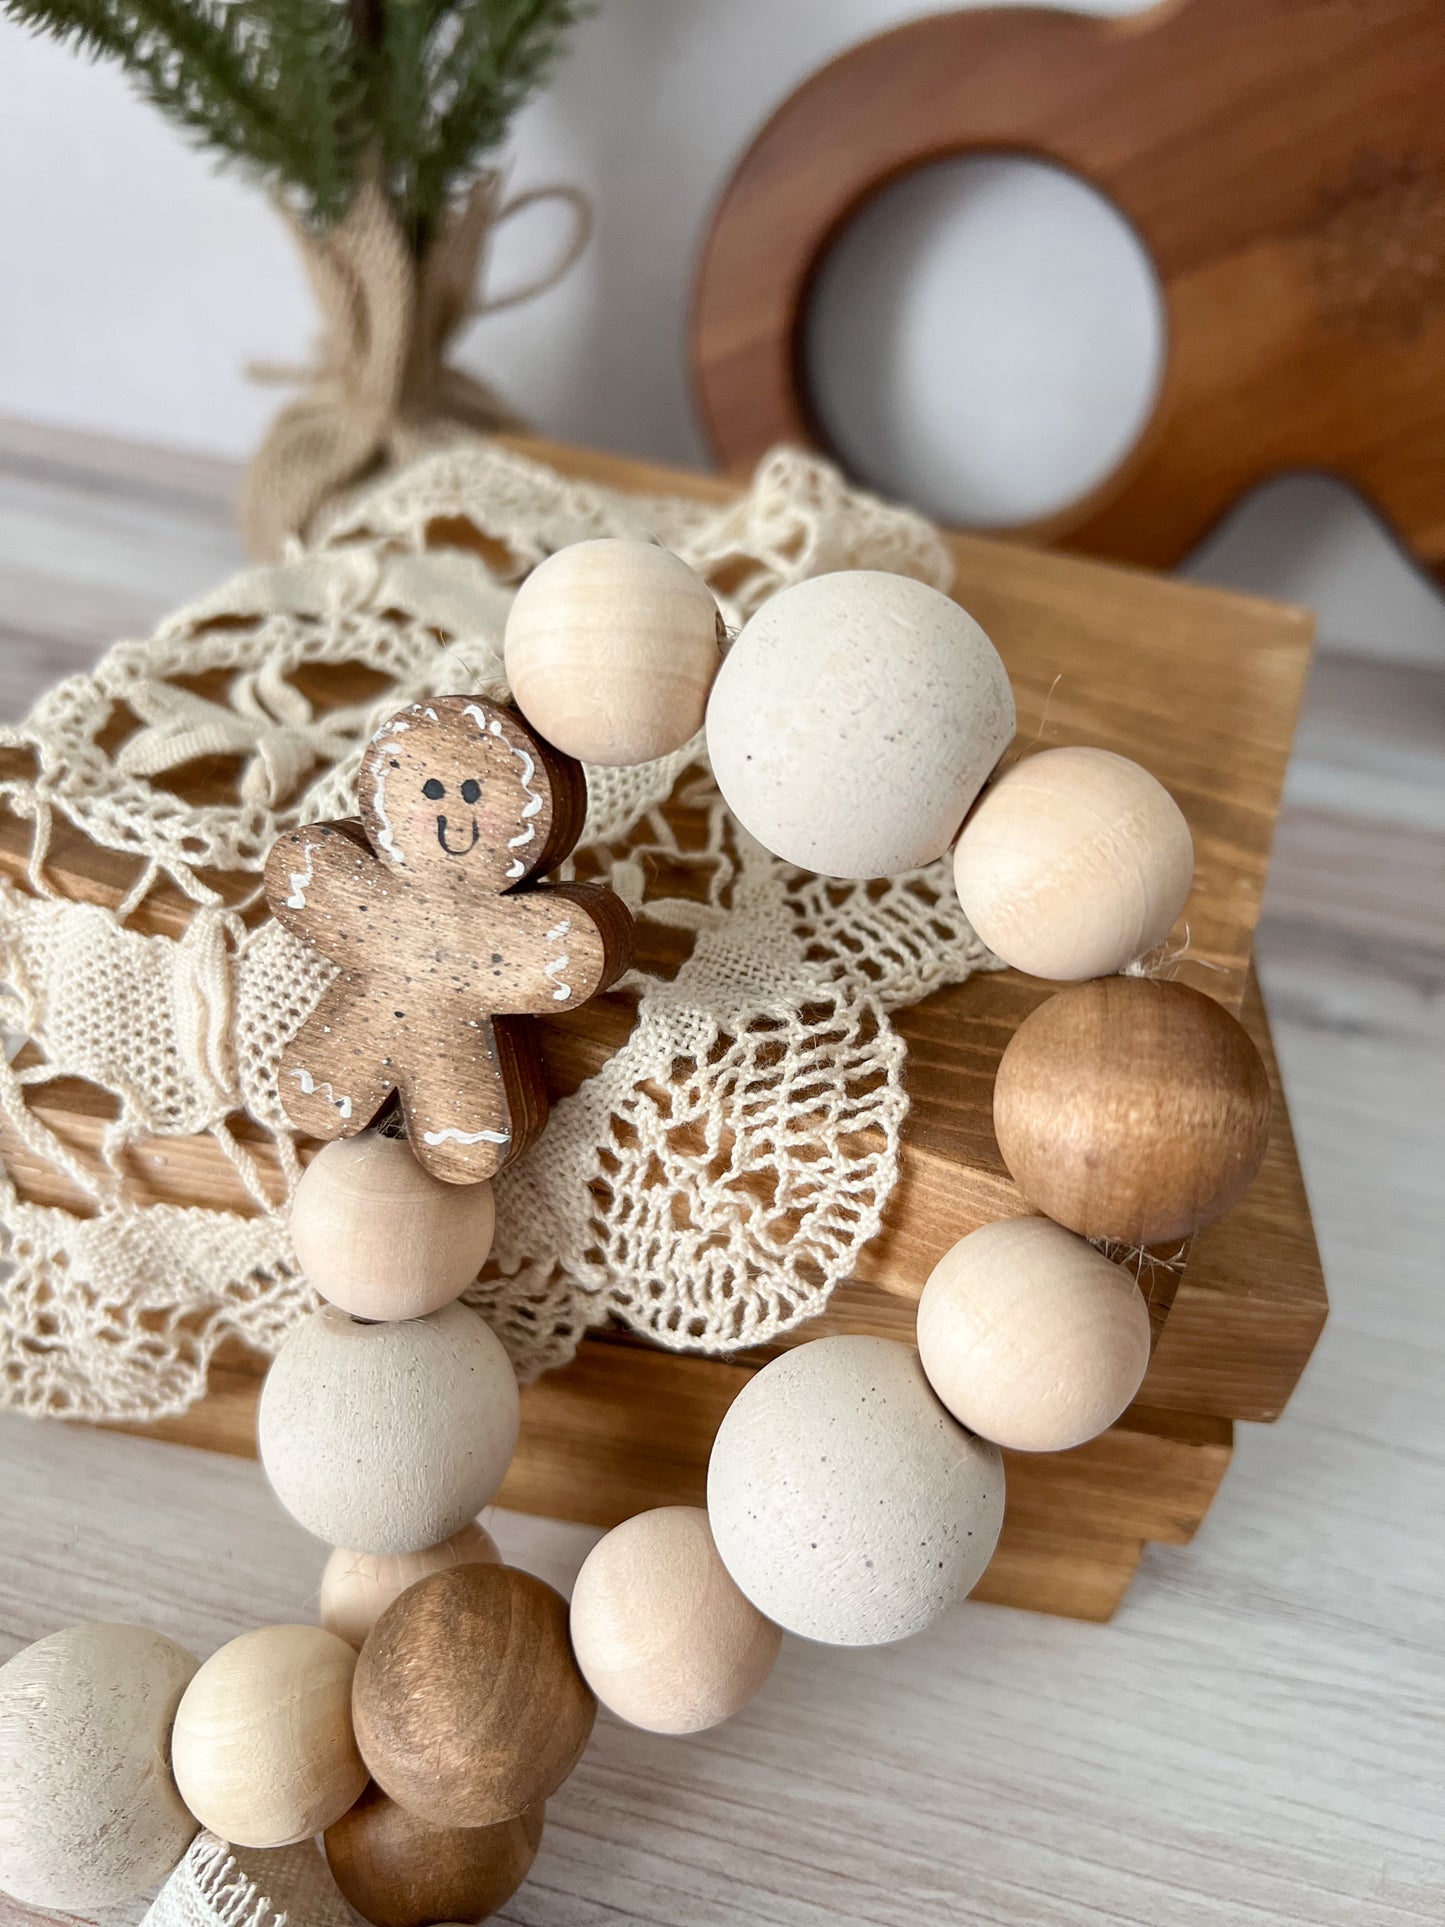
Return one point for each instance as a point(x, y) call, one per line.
point(382, 1238)
point(398, 1872)
point(262, 1749)
point(1131, 1110)
point(663, 1634)
point(89, 1812)
point(611, 648)
point(1031, 1337)
point(846, 1502)
point(388, 1438)
point(469, 1706)
point(357, 1587)
point(1073, 864)
point(855, 719)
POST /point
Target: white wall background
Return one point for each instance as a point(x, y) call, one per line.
point(136, 284)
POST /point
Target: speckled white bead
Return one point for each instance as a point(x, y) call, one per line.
point(357, 1587)
point(1031, 1337)
point(846, 1502)
point(89, 1813)
point(1074, 863)
point(388, 1438)
point(855, 719)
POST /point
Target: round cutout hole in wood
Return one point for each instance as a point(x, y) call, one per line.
point(986, 339)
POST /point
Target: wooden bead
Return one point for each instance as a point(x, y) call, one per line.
point(380, 1236)
point(1031, 1337)
point(845, 1501)
point(1073, 864)
point(855, 719)
point(388, 1438)
point(357, 1587)
point(262, 1748)
point(469, 1706)
point(1131, 1110)
point(661, 1631)
point(398, 1872)
point(89, 1812)
point(611, 648)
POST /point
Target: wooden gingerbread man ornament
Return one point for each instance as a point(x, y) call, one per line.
point(447, 948)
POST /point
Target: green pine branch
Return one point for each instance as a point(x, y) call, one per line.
point(300, 92)
point(458, 70)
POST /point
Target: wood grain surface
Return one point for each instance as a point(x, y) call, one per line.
point(468, 1704)
point(396, 1872)
point(1284, 167)
point(1254, 1737)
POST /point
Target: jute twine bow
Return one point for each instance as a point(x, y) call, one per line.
point(381, 389)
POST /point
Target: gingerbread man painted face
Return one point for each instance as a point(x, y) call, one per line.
point(447, 948)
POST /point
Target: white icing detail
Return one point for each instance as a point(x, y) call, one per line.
point(563, 990)
point(384, 834)
point(533, 805)
point(301, 880)
point(431, 713)
point(516, 868)
point(466, 1137)
point(525, 837)
point(309, 1086)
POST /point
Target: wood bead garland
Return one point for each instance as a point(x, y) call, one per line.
point(1132, 1110)
point(262, 1748)
point(846, 1502)
point(388, 1438)
point(1074, 863)
point(468, 1705)
point(357, 1587)
point(663, 1635)
point(398, 1872)
point(611, 647)
point(1031, 1337)
point(89, 1811)
point(380, 1237)
point(855, 719)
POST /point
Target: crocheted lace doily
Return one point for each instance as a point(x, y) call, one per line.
point(708, 1186)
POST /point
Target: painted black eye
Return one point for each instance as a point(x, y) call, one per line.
point(432, 788)
point(471, 790)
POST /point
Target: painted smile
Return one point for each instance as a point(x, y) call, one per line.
point(451, 849)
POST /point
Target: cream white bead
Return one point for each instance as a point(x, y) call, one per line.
point(263, 1749)
point(388, 1438)
point(89, 1812)
point(382, 1238)
point(663, 1634)
point(845, 1501)
point(1031, 1337)
point(855, 719)
point(357, 1587)
point(1074, 863)
point(611, 648)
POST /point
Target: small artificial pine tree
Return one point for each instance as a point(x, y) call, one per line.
point(302, 94)
point(371, 122)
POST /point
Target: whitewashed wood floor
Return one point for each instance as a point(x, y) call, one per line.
point(1259, 1738)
